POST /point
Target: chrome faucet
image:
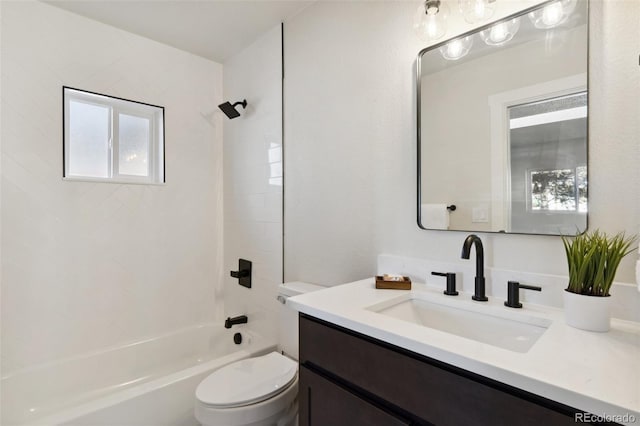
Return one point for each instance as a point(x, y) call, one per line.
point(479, 294)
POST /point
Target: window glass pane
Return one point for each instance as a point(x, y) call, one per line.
point(112, 139)
point(581, 179)
point(553, 190)
point(88, 140)
point(134, 145)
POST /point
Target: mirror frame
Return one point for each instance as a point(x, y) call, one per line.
point(418, 69)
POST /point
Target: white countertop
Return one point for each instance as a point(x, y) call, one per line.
point(595, 372)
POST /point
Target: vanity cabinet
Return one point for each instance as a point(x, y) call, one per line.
point(327, 403)
point(350, 379)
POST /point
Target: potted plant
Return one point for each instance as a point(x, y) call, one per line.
point(593, 260)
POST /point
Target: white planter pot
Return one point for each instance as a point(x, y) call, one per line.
point(592, 313)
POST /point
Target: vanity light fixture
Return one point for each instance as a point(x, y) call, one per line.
point(430, 21)
point(457, 48)
point(553, 14)
point(476, 10)
point(500, 33)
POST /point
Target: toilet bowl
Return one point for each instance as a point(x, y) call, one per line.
point(258, 391)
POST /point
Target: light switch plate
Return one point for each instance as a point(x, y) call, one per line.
point(480, 215)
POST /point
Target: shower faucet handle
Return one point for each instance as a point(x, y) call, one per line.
point(240, 274)
point(243, 274)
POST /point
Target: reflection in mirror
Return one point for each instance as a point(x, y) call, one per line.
point(502, 125)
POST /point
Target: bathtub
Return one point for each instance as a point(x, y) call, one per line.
point(143, 383)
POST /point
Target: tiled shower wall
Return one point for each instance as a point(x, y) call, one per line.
point(253, 181)
point(89, 265)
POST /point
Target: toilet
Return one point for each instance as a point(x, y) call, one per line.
point(262, 390)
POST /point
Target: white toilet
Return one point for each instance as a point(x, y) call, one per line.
point(258, 391)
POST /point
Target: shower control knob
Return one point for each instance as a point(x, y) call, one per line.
point(243, 274)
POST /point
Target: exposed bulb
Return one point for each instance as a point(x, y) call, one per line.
point(476, 10)
point(553, 14)
point(433, 29)
point(457, 48)
point(430, 20)
point(479, 8)
point(500, 33)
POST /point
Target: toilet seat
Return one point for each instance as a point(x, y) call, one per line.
point(266, 413)
point(248, 381)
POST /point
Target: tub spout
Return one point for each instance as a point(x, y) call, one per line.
point(229, 322)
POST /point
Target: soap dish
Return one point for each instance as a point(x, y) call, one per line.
point(404, 284)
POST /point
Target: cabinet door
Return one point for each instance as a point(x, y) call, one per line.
point(418, 385)
point(324, 403)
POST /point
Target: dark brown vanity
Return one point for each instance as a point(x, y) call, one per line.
point(347, 378)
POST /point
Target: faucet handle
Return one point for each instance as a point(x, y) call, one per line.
point(513, 293)
point(451, 282)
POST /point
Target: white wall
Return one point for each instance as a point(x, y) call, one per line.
point(350, 125)
point(88, 265)
point(253, 181)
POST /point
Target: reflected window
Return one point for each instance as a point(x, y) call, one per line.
point(109, 139)
point(559, 190)
point(549, 137)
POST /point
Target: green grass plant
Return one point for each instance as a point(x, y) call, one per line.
point(593, 259)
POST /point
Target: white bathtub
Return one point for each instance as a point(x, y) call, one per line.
point(144, 383)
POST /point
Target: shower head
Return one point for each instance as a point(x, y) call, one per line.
point(230, 110)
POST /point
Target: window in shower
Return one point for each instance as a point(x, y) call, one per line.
point(108, 139)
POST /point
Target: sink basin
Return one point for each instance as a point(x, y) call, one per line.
point(486, 324)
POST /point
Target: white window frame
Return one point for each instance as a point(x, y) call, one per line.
point(117, 106)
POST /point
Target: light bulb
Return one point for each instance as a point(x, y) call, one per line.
point(454, 48)
point(500, 33)
point(430, 20)
point(476, 10)
point(432, 27)
point(553, 14)
point(457, 48)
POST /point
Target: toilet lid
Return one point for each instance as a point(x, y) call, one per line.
point(247, 381)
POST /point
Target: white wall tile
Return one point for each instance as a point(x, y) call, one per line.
point(253, 207)
point(90, 265)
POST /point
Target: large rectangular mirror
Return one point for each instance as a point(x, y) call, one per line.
point(502, 125)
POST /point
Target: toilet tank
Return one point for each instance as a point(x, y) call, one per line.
point(288, 318)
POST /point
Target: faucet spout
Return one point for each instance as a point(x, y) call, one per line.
point(229, 322)
point(474, 240)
